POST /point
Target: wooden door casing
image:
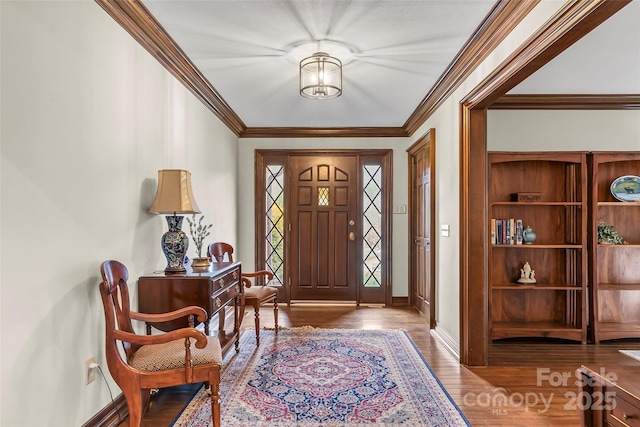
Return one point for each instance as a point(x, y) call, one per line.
point(266, 159)
point(422, 226)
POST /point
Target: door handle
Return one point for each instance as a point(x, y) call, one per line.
point(352, 236)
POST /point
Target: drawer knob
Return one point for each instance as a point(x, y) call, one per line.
point(626, 416)
point(221, 282)
point(218, 302)
point(237, 287)
point(235, 274)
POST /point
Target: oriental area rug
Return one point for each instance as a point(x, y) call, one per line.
point(310, 377)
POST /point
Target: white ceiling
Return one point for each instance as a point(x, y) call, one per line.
point(393, 52)
point(605, 61)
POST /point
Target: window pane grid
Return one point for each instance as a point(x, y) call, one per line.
point(372, 225)
point(323, 196)
point(275, 222)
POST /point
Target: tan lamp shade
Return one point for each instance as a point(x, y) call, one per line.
point(174, 194)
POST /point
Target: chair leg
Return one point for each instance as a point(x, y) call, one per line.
point(275, 313)
point(214, 391)
point(256, 310)
point(137, 400)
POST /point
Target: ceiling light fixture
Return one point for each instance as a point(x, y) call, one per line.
point(320, 76)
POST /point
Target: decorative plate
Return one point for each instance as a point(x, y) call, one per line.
point(626, 188)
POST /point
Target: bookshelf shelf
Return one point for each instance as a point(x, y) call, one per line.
point(529, 204)
point(523, 246)
point(537, 286)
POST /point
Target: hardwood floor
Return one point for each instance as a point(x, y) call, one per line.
point(527, 382)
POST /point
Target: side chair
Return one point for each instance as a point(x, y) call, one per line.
point(182, 356)
point(255, 294)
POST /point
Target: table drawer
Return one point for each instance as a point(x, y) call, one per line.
point(228, 279)
point(223, 296)
point(623, 413)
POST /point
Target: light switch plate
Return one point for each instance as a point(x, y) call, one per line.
point(400, 209)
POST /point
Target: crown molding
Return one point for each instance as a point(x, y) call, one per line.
point(138, 21)
point(567, 102)
point(502, 19)
point(304, 132)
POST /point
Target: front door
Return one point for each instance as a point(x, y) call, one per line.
point(325, 228)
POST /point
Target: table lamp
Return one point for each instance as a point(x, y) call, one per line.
point(174, 196)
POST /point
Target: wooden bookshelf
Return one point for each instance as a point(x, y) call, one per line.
point(614, 270)
point(556, 305)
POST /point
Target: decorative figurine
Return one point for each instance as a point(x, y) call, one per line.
point(527, 275)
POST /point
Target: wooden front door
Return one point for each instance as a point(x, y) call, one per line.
point(324, 228)
point(422, 225)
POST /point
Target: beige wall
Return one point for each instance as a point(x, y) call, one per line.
point(552, 130)
point(88, 118)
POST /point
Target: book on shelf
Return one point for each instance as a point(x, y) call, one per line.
point(506, 231)
point(512, 231)
point(493, 231)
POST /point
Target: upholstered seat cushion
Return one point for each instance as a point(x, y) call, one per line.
point(259, 292)
point(162, 357)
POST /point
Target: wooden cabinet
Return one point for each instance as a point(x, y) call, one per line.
point(614, 270)
point(556, 304)
point(214, 290)
point(609, 395)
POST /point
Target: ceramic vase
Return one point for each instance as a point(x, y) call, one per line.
point(174, 245)
point(528, 236)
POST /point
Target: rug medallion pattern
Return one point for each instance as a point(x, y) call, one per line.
point(327, 377)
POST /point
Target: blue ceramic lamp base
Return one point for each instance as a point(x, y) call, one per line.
point(174, 245)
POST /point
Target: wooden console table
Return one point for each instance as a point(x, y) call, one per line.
point(213, 289)
point(610, 395)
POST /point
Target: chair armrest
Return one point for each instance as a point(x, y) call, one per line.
point(199, 312)
point(178, 334)
point(247, 276)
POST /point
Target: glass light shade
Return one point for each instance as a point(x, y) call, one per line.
point(320, 76)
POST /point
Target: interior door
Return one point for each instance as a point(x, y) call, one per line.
point(422, 275)
point(324, 228)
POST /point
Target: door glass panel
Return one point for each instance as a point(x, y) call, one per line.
point(372, 225)
point(275, 223)
point(323, 196)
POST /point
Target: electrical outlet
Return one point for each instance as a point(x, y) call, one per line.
point(90, 369)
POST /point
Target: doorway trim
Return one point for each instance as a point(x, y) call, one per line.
point(568, 25)
point(264, 157)
point(428, 139)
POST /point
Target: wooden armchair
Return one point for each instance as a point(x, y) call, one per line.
point(254, 295)
point(178, 357)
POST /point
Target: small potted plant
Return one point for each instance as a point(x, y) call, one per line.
point(607, 235)
point(199, 232)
